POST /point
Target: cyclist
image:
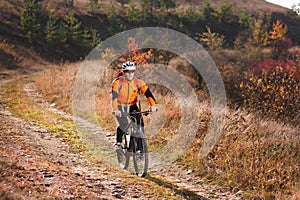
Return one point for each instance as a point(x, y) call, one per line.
point(125, 93)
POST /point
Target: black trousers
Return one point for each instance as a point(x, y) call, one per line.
point(123, 121)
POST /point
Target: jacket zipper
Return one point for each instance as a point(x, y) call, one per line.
point(127, 102)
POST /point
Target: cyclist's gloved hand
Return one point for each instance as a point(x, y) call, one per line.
point(117, 113)
point(153, 109)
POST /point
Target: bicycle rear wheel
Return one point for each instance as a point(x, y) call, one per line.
point(140, 156)
point(123, 153)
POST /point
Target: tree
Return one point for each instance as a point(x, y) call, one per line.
point(280, 44)
point(30, 19)
point(279, 30)
point(87, 37)
point(162, 8)
point(63, 30)
point(244, 18)
point(225, 12)
point(166, 5)
point(296, 8)
point(91, 38)
point(189, 16)
point(115, 25)
point(74, 27)
point(212, 40)
point(133, 14)
point(205, 10)
point(259, 30)
point(95, 38)
point(52, 27)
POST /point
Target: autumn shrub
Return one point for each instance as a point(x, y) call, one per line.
point(272, 88)
point(279, 42)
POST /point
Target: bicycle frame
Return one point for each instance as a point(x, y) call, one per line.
point(135, 128)
point(133, 134)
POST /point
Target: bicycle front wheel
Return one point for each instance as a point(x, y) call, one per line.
point(140, 155)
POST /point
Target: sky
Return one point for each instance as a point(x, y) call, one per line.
point(284, 3)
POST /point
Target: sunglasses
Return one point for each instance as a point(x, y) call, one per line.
point(129, 71)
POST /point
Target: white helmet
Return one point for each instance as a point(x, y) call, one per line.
point(128, 66)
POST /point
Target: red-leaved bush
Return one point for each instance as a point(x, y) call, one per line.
point(272, 87)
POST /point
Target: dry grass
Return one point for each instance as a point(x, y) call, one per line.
point(254, 155)
point(257, 156)
point(56, 84)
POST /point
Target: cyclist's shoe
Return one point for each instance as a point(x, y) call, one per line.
point(118, 146)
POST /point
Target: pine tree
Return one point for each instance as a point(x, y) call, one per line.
point(167, 4)
point(90, 38)
point(189, 16)
point(133, 14)
point(73, 25)
point(225, 12)
point(95, 38)
point(52, 28)
point(30, 19)
point(206, 11)
point(87, 37)
point(115, 25)
point(62, 32)
point(244, 18)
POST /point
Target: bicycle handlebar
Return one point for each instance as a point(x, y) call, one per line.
point(146, 112)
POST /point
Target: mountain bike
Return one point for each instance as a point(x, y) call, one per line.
point(129, 147)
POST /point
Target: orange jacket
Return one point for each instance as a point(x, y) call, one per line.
point(125, 93)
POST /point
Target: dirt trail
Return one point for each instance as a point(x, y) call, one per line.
point(36, 163)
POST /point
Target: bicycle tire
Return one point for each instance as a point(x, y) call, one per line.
point(123, 154)
point(140, 160)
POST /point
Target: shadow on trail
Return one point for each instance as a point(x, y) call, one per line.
point(178, 191)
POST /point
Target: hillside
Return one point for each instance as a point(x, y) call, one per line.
point(44, 153)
